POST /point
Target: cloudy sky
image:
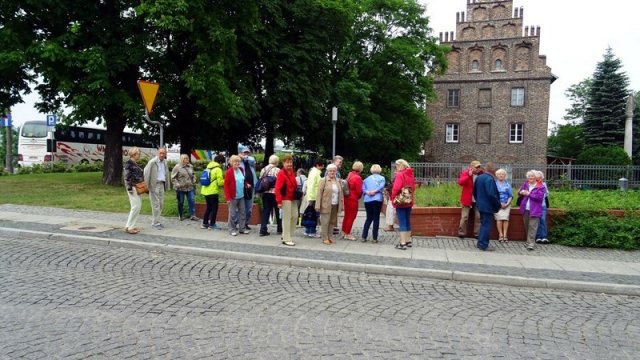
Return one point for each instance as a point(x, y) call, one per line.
point(574, 37)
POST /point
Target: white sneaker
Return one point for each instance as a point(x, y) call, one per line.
point(233, 233)
point(545, 241)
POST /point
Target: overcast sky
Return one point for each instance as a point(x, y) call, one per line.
point(574, 37)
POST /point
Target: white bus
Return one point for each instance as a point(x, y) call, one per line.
point(72, 144)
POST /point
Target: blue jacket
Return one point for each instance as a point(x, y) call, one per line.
point(486, 194)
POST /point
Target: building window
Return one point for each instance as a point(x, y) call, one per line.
point(483, 133)
point(475, 65)
point(516, 133)
point(499, 64)
point(453, 98)
point(484, 98)
point(453, 133)
point(517, 96)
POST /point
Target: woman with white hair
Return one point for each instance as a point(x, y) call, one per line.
point(329, 200)
point(541, 234)
point(269, 204)
point(373, 188)
point(532, 194)
point(506, 195)
point(183, 180)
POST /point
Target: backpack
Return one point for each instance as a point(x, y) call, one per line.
point(205, 177)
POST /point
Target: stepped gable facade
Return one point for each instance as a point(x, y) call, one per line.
point(493, 101)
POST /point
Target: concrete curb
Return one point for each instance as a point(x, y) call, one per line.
point(566, 285)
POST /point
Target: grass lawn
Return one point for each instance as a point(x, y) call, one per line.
point(73, 191)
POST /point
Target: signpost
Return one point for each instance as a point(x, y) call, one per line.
point(6, 122)
point(149, 92)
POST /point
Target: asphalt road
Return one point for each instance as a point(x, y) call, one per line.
point(71, 301)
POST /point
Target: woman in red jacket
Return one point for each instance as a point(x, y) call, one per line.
point(403, 179)
point(354, 182)
point(286, 184)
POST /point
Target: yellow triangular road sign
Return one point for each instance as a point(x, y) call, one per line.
point(149, 91)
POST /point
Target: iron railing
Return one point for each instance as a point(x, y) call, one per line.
point(557, 175)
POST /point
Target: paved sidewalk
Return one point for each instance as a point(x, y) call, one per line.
point(549, 266)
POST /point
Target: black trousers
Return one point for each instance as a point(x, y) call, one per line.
point(211, 213)
point(268, 205)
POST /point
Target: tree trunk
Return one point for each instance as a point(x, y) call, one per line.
point(269, 137)
point(112, 171)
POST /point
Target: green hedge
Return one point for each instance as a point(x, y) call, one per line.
point(598, 229)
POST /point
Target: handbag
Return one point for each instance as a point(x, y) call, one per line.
point(297, 194)
point(403, 197)
point(141, 188)
point(345, 187)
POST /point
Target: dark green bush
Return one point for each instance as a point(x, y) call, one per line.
point(603, 155)
point(597, 229)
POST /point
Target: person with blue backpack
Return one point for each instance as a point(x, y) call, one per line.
point(211, 181)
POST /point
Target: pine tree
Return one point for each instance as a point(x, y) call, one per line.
point(605, 115)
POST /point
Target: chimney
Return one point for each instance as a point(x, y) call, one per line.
point(452, 36)
point(441, 36)
point(446, 37)
point(526, 31)
point(462, 16)
point(538, 30)
point(457, 17)
point(515, 14)
point(521, 11)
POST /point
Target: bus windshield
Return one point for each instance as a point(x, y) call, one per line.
point(34, 130)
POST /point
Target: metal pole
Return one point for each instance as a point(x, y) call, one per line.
point(334, 120)
point(148, 119)
point(9, 150)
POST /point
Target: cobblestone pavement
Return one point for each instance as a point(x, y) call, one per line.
point(74, 301)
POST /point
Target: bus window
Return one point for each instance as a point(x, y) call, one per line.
point(80, 134)
point(90, 135)
point(34, 130)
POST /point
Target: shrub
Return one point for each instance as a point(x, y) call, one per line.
point(603, 155)
point(597, 229)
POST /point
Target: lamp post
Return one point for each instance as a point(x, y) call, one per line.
point(334, 121)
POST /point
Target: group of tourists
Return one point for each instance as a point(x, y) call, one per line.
point(314, 202)
point(487, 191)
point(288, 196)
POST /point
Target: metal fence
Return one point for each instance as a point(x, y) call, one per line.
point(573, 176)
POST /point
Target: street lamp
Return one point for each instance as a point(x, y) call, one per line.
point(334, 120)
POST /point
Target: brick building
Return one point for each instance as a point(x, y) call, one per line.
point(493, 101)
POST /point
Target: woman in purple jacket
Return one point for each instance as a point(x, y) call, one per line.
point(532, 194)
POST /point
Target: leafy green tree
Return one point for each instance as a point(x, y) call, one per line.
point(566, 140)
point(193, 58)
point(383, 80)
point(89, 58)
point(605, 114)
point(578, 95)
point(15, 39)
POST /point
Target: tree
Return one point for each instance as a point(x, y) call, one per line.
point(193, 57)
point(382, 80)
point(578, 95)
point(605, 114)
point(566, 141)
point(15, 39)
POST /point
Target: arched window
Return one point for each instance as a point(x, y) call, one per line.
point(498, 64)
point(475, 65)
